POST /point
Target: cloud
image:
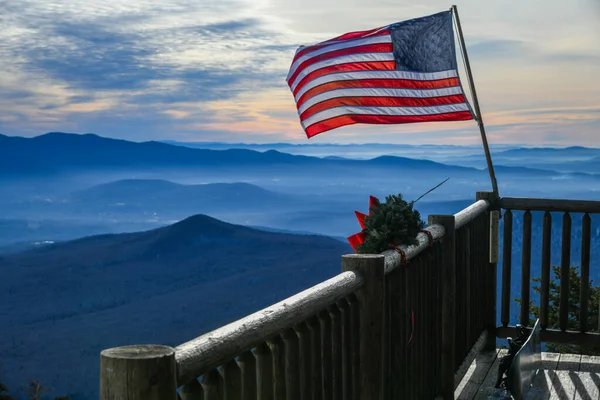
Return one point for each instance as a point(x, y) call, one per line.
point(185, 68)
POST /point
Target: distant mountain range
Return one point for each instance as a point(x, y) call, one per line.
point(70, 300)
point(59, 152)
point(563, 159)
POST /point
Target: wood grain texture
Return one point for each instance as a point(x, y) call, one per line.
point(264, 372)
point(232, 381)
point(217, 347)
point(563, 386)
point(558, 205)
point(371, 306)
point(292, 364)
point(247, 363)
point(192, 391)
point(138, 372)
point(212, 385)
point(506, 269)
point(448, 331)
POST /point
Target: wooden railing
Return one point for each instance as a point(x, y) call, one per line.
point(395, 325)
point(548, 206)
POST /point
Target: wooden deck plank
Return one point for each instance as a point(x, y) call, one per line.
point(543, 381)
point(588, 379)
point(563, 376)
point(475, 375)
point(563, 383)
point(486, 390)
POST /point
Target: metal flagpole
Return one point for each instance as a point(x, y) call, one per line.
point(476, 103)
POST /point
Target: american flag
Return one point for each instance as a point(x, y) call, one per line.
point(401, 73)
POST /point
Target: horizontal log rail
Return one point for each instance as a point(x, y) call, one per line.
point(212, 349)
point(393, 259)
point(559, 205)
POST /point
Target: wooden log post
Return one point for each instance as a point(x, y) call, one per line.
point(491, 288)
point(448, 357)
point(144, 372)
point(371, 320)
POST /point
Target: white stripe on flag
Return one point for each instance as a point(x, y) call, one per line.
point(379, 92)
point(340, 46)
point(415, 111)
point(359, 75)
point(353, 58)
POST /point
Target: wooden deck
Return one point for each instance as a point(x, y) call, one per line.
point(565, 376)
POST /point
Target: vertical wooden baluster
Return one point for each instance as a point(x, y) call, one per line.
point(565, 266)
point(247, 364)
point(326, 346)
point(526, 269)
point(264, 372)
point(387, 370)
point(292, 364)
point(317, 377)
point(448, 332)
point(336, 351)
point(545, 284)
point(467, 330)
point(506, 268)
point(212, 385)
point(584, 292)
point(355, 339)
point(278, 353)
point(346, 349)
point(192, 391)
point(305, 349)
point(232, 381)
point(372, 311)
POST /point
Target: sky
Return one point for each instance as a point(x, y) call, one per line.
point(214, 70)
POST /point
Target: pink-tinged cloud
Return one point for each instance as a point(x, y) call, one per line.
point(216, 71)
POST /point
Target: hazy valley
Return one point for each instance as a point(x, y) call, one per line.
point(106, 242)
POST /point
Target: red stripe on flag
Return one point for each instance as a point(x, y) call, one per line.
point(378, 83)
point(382, 102)
point(360, 66)
point(361, 34)
point(365, 34)
point(343, 120)
point(367, 48)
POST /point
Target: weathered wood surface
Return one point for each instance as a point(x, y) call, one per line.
point(565, 267)
point(217, 347)
point(563, 376)
point(486, 390)
point(393, 260)
point(526, 269)
point(506, 269)
point(475, 375)
point(546, 258)
point(137, 373)
point(448, 331)
point(584, 292)
point(371, 303)
point(467, 363)
point(559, 205)
point(467, 215)
point(563, 387)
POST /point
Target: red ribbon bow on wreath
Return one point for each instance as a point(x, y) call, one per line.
point(359, 238)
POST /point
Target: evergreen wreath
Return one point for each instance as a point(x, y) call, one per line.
point(393, 222)
point(388, 225)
